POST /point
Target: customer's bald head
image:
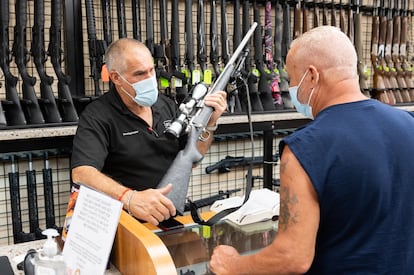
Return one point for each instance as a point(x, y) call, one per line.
point(327, 48)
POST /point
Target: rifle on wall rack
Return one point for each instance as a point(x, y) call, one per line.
point(269, 61)
point(14, 183)
point(136, 19)
point(96, 47)
point(32, 199)
point(149, 26)
point(316, 15)
point(30, 104)
point(65, 102)
point(379, 86)
point(48, 193)
point(325, 15)
point(205, 75)
point(305, 17)
point(297, 22)
point(107, 21)
point(265, 91)
point(47, 101)
point(351, 22)
point(406, 66)
point(363, 72)
point(189, 43)
point(120, 11)
point(162, 53)
point(13, 110)
point(342, 20)
point(252, 78)
point(394, 60)
point(389, 69)
point(214, 37)
point(333, 14)
point(179, 79)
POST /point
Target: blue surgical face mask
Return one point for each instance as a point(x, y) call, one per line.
point(304, 109)
point(146, 91)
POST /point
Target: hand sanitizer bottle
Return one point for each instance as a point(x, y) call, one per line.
point(49, 260)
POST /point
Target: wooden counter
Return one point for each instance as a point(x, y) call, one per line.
point(137, 250)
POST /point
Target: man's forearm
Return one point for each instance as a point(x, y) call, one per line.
point(95, 179)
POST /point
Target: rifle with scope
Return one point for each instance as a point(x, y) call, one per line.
point(193, 119)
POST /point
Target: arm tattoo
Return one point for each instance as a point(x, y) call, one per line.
point(286, 206)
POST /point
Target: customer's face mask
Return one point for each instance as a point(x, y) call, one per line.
point(146, 91)
point(304, 109)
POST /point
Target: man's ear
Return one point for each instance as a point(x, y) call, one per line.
point(115, 78)
point(314, 74)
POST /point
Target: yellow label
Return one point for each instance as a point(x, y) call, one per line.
point(208, 77)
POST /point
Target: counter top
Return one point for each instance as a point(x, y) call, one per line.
point(16, 254)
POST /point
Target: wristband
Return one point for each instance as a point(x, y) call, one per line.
point(211, 128)
point(129, 201)
point(123, 193)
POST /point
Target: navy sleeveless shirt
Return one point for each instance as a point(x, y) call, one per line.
point(360, 159)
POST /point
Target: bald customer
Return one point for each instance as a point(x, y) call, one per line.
point(120, 147)
point(346, 178)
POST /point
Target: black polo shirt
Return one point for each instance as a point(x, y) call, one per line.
point(122, 145)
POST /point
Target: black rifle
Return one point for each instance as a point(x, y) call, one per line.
point(195, 116)
point(149, 26)
point(96, 47)
point(210, 200)
point(18, 234)
point(32, 199)
point(136, 19)
point(214, 52)
point(30, 104)
point(65, 102)
point(224, 165)
point(189, 43)
point(13, 111)
point(47, 101)
point(282, 43)
point(48, 193)
point(178, 83)
point(225, 47)
point(205, 75)
point(233, 100)
point(120, 9)
point(162, 54)
point(107, 21)
point(270, 64)
point(252, 78)
point(264, 87)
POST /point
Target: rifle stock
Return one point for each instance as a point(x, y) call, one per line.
point(65, 102)
point(363, 72)
point(30, 104)
point(47, 101)
point(13, 114)
point(180, 171)
point(390, 71)
point(48, 193)
point(406, 67)
point(263, 87)
point(32, 199)
point(120, 10)
point(252, 78)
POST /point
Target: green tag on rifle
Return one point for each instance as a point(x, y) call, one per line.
point(208, 77)
point(196, 78)
point(256, 72)
point(164, 83)
point(186, 73)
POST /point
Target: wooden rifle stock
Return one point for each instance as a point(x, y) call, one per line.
point(305, 17)
point(333, 14)
point(406, 67)
point(342, 23)
point(389, 69)
point(297, 23)
point(397, 69)
point(363, 72)
point(316, 16)
point(325, 20)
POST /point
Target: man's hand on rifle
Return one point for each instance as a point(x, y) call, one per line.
point(150, 205)
point(218, 101)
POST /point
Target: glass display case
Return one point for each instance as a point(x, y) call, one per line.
point(191, 246)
